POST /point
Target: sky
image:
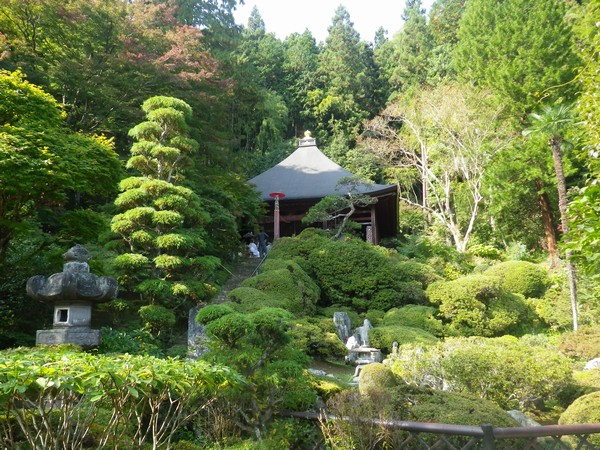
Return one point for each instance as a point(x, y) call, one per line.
point(284, 17)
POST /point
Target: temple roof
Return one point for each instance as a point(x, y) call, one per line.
point(308, 174)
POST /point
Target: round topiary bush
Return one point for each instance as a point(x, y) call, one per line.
point(290, 282)
point(416, 316)
point(585, 409)
point(248, 300)
point(521, 277)
point(476, 305)
point(316, 341)
point(374, 378)
point(456, 408)
point(384, 337)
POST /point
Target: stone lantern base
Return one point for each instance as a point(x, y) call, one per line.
point(82, 336)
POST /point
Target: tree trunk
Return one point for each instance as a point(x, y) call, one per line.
point(561, 185)
point(549, 232)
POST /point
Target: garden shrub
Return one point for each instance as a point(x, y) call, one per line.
point(375, 316)
point(374, 378)
point(416, 316)
point(230, 328)
point(291, 283)
point(213, 312)
point(404, 402)
point(585, 409)
point(157, 318)
point(555, 307)
point(135, 342)
point(249, 300)
point(521, 277)
point(583, 344)
point(300, 247)
point(384, 337)
point(315, 341)
point(521, 374)
point(438, 406)
point(476, 305)
point(367, 271)
point(416, 271)
point(589, 380)
point(102, 398)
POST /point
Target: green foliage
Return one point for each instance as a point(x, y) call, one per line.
point(287, 282)
point(213, 312)
point(258, 346)
point(476, 305)
point(498, 49)
point(521, 277)
point(248, 299)
point(583, 344)
point(405, 402)
point(312, 336)
point(42, 162)
point(555, 308)
point(522, 373)
point(584, 214)
point(150, 399)
point(589, 380)
point(456, 408)
point(136, 342)
point(163, 226)
point(229, 329)
point(157, 318)
point(368, 271)
point(415, 316)
point(585, 409)
point(383, 337)
point(376, 377)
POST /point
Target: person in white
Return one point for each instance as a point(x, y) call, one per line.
point(253, 249)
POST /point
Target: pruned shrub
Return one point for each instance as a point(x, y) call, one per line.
point(374, 378)
point(452, 407)
point(416, 316)
point(585, 409)
point(371, 279)
point(384, 337)
point(522, 374)
point(521, 277)
point(290, 283)
point(249, 300)
point(476, 305)
point(583, 344)
point(230, 328)
point(317, 341)
point(213, 312)
point(157, 318)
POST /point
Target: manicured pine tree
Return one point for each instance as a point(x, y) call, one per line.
point(162, 223)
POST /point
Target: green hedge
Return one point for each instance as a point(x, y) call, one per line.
point(384, 337)
point(521, 277)
point(585, 409)
point(416, 316)
point(476, 305)
point(288, 282)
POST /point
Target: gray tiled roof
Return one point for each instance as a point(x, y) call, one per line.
point(306, 174)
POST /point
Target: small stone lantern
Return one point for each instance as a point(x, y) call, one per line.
point(73, 293)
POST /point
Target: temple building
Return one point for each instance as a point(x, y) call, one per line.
point(304, 178)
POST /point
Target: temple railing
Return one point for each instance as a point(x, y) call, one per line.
point(426, 436)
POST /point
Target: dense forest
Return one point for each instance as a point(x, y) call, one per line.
point(131, 127)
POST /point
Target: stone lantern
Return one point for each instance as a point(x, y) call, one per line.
point(73, 293)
